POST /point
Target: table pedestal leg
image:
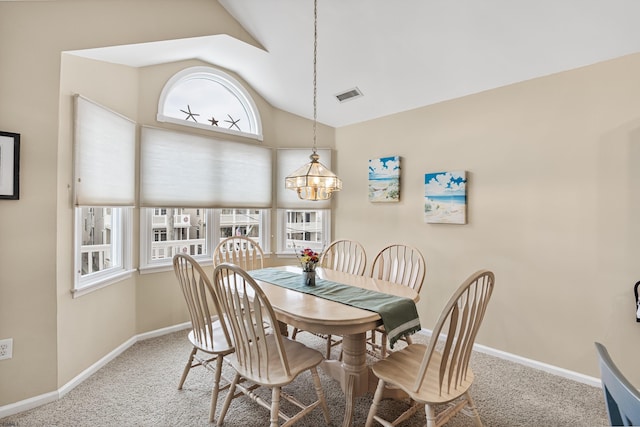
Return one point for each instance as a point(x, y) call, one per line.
point(352, 372)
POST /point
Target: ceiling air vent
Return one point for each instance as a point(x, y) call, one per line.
point(349, 94)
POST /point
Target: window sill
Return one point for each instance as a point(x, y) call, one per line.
point(125, 274)
point(285, 255)
point(168, 266)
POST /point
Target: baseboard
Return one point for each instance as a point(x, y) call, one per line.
point(163, 331)
point(25, 405)
point(561, 372)
point(42, 399)
point(34, 402)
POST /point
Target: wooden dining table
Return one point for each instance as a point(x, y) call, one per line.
point(315, 314)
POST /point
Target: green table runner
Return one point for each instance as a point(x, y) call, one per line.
point(399, 314)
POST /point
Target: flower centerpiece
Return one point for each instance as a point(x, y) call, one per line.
point(309, 259)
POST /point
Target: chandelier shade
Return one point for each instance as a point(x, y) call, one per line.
point(314, 181)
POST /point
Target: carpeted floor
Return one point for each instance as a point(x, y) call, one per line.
point(139, 388)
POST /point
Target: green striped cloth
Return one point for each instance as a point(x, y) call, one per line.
point(399, 315)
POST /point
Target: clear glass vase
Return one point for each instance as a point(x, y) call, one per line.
point(309, 278)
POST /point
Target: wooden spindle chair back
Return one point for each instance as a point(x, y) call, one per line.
point(247, 310)
point(401, 264)
point(458, 326)
point(239, 250)
point(208, 335)
point(347, 256)
point(263, 356)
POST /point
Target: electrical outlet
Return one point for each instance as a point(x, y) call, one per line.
point(6, 349)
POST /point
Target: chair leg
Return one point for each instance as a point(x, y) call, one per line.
point(320, 393)
point(187, 368)
point(275, 406)
point(216, 389)
point(328, 355)
point(377, 397)
point(474, 411)
point(294, 334)
point(430, 412)
point(227, 401)
point(383, 345)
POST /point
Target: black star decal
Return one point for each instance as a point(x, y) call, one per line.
point(190, 115)
point(213, 121)
point(233, 122)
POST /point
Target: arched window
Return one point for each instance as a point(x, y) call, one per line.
point(207, 98)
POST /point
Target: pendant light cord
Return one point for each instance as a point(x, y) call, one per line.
point(314, 181)
point(315, 71)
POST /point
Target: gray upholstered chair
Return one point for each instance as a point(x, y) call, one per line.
point(620, 396)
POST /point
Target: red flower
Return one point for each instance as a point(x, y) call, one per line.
point(308, 258)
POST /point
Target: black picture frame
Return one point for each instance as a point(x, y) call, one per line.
point(9, 166)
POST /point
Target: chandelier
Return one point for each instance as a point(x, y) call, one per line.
point(314, 181)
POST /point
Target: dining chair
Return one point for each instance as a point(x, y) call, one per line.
point(207, 335)
point(401, 264)
point(347, 256)
point(261, 358)
point(621, 398)
point(239, 250)
point(439, 374)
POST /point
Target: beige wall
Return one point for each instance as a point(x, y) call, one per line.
point(56, 337)
point(552, 193)
point(553, 202)
point(93, 325)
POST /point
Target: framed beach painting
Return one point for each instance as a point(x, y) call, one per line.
point(384, 179)
point(445, 197)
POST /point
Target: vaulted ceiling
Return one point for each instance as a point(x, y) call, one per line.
point(404, 54)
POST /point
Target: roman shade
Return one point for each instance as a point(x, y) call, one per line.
point(185, 170)
point(104, 162)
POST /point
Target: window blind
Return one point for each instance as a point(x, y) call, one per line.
point(185, 170)
point(105, 156)
point(290, 159)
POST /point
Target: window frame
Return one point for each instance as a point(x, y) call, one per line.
point(121, 221)
point(282, 250)
point(225, 80)
point(104, 167)
point(212, 236)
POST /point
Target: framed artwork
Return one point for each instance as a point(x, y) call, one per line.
point(445, 197)
point(384, 179)
point(9, 165)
